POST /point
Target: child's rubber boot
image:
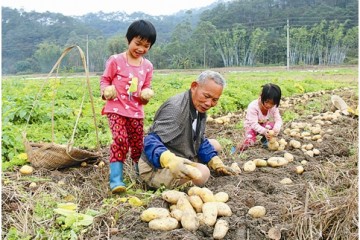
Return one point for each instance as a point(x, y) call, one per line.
point(117, 184)
point(264, 142)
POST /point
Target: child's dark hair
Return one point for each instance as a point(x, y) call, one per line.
point(143, 29)
point(271, 91)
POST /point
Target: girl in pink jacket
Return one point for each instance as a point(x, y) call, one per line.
point(122, 85)
point(262, 115)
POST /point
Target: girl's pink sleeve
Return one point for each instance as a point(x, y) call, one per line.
point(277, 119)
point(149, 76)
point(253, 119)
point(109, 73)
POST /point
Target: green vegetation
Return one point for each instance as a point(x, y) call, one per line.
point(25, 108)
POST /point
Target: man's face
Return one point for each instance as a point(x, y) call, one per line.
point(205, 95)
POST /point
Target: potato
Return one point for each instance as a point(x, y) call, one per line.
point(234, 166)
point(177, 214)
point(304, 162)
point(271, 133)
point(295, 144)
point(257, 211)
point(309, 146)
point(190, 221)
point(26, 170)
point(147, 93)
point(223, 210)
point(283, 142)
point(249, 166)
point(194, 173)
point(200, 217)
point(164, 224)
point(210, 211)
point(207, 195)
point(154, 213)
point(299, 169)
point(101, 164)
point(196, 202)
point(286, 181)
point(194, 191)
point(172, 196)
point(309, 153)
point(220, 229)
point(183, 204)
point(260, 162)
point(281, 147)
point(273, 144)
point(277, 161)
point(221, 197)
point(316, 151)
point(289, 157)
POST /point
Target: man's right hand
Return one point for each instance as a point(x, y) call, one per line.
point(176, 165)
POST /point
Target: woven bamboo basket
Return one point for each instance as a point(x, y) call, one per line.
point(56, 156)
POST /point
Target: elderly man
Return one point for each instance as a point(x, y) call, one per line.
point(176, 139)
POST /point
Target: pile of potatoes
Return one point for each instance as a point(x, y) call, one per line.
point(199, 206)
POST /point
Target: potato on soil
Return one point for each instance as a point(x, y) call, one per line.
point(221, 197)
point(189, 220)
point(206, 195)
point(177, 214)
point(295, 144)
point(210, 212)
point(223, 210)
point(183, 204)
point(257, 211)
point(153, 213)
point(26, 170)
point(164, 224)
point(234, 166)
point(286, 181)
point(195, 190)
point(172, 196)
point(249, 166)
point(289, 157)
point(260, 162)
point(277, 161)
point(196, 202)
point(299, 169)
point(220, 229)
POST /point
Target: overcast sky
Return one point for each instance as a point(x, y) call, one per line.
point(80, 7)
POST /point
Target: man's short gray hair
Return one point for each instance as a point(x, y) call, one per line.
point(211, 75)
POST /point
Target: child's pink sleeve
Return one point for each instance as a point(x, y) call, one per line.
point(277, 119)
point(109, 73)
point(252, 119)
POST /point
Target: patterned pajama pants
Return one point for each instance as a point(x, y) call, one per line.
point(250, 134)
point(127, 133)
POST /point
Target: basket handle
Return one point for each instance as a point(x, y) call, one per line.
point(56, 66)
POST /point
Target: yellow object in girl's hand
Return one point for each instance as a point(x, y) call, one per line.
point(133, 85)
point(147, 93)
point(110, 92)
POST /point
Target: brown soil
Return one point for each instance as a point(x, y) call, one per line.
point(321, 203)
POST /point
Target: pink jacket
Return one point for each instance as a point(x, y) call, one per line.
point(123, 76)
point(254, 118)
